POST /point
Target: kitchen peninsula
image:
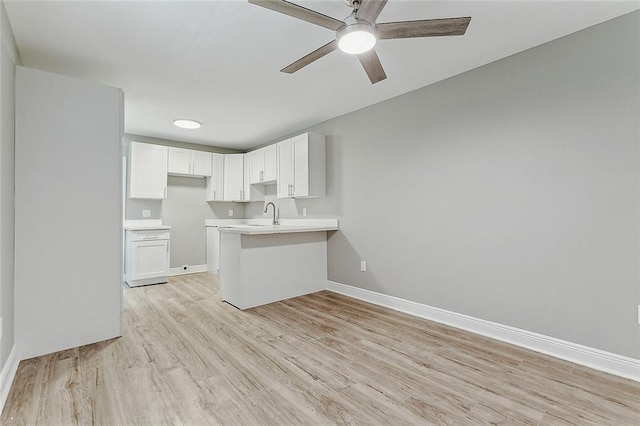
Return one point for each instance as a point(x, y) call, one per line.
point(261, 264)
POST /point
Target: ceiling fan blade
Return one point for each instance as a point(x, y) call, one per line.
point(372, 66)
point(424, 28)
point(311, 57)
point(300, 12)
point(370, 9)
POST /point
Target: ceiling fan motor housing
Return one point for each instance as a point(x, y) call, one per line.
point(352, 3)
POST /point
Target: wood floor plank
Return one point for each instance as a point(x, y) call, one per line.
point(187, 358)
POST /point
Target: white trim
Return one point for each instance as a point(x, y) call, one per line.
point(584, 355)
point(7, 375)
point(193, 269)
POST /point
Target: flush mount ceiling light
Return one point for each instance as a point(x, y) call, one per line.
point(186, 123)
point(356, 38)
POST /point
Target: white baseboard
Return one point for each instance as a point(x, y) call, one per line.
point(193, 269)
point(584, 355)
point(7, 375)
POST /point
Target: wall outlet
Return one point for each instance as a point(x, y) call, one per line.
point(146, 213)
point(363, 266)
point(230, 213)
point(185, 267)
point(304, 211)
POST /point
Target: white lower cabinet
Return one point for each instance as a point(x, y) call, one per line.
point(213, 249)
point(147, 257)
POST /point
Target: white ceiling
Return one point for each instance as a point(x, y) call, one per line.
point(218, 62)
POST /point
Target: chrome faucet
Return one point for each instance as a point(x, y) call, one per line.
point(275, 220)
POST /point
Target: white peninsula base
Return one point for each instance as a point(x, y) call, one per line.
point(257, 268)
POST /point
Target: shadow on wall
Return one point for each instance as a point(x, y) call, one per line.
point(340, 255)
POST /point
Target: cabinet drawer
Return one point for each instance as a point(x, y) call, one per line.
point(152, 234)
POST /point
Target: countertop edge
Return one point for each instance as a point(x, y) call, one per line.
point(147, 228)
point(285, 230)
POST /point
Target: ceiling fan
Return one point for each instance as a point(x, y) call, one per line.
point(358, 33)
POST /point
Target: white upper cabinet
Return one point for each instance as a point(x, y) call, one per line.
point(179, 161)
point(186, 162)
point(301, 167)
point(252, 192)
point(270, 164)
point(285, 169)
point(262, 165)
point(215, 183)
point(147, 171)
point(233, 177)
point(254, 162)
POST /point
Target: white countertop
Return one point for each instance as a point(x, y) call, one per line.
point(262, 226)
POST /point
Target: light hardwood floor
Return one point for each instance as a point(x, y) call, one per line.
point(187, 358)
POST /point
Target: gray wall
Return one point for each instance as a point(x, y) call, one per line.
point(8, 57)
point(185, 208)
point(508, 193)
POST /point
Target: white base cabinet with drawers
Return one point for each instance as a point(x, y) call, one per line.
point(147, 256)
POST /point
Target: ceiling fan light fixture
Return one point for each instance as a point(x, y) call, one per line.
point(355, 39)
point(185, 123)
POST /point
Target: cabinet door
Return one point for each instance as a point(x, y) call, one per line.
point(300, 165)
point(233, 177)
point(149, 259)
point(270, 161)
point(147, 171)
point(201, 163)
point(285, 169)
point(215, 184)
point(179, 161)
point(256, 166)
point(213, 249)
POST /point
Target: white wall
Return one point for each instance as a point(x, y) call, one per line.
point(8, 57)
point(509, 193)
point(68, 212)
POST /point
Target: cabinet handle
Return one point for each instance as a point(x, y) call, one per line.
point(214, 194)
point(261, 175)
point(167, 247)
